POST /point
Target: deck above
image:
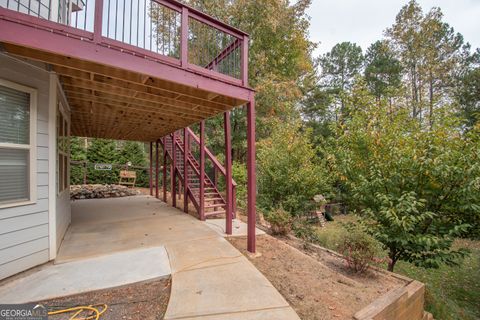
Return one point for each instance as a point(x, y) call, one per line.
point(132, 69)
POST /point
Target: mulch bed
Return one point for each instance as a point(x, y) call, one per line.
point(140, 301)
point(318, 288)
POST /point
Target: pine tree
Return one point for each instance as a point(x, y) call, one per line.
point(383, 71)
point(339, 67)
point(102, 151)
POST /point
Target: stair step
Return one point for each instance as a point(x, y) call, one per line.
point(213, 199)
point(206, 194)
point(215, 206)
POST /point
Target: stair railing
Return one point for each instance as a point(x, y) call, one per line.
point(217, 166)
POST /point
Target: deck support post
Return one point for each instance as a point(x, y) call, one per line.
point(228, 169)
point(251, 177)
point(185, 170)
point(164, 177)
point(156, 167)
point(202, 171)
point(173, 173)
point(150, 178)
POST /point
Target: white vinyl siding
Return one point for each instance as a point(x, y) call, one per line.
point(24, 226)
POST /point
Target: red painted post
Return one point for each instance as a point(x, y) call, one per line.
point(244, 61)
point(228, 169)
point(184, 39)
point(173, 173)
point(156, 167)
point(251, 177)
point(185, 170)
point(164, 169)
point(202, 171)
point(234, 202)
point(151, 169)
point(97, 24)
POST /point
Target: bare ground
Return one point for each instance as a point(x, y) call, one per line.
point(140, 301)
point(317, 286)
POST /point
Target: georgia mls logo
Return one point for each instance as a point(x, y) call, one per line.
point(28, 311)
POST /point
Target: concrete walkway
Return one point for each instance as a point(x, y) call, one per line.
point(239, 228)
point(210, 278)
point(86, 275)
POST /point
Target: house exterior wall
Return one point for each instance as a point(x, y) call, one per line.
point(24, 230)
point(31, 234)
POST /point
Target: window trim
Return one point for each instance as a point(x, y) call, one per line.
point(32, 146)
point(65, 116)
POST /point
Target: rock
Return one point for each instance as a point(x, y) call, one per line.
point(98, 191)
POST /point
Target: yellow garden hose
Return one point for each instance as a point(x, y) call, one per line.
point(94, 308)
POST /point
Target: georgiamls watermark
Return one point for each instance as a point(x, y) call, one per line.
point(27, 311)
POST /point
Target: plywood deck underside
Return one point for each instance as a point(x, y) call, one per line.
point(114, 103)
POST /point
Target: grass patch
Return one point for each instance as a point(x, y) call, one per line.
point(330, 236)
point(453, 292)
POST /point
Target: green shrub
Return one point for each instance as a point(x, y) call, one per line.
point(359, 249)
point(280, 221)
point(289, 171)
point(239, 173)
point(306, 231)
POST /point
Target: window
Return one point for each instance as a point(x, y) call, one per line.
point(63, 149)
point(17, 144)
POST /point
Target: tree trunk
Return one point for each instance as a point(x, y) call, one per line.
point(431, 100)
point(391, 265)
point(414, 91)
point(393, 259)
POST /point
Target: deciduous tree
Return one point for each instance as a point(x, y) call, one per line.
point(416, 189)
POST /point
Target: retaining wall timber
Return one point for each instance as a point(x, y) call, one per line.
point(405, 303)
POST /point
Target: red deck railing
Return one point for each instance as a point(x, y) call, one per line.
point(164, 30)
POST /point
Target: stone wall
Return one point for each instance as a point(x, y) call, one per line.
point(99, 191)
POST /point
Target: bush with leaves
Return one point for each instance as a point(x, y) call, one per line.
point(359, 249)
point(78, 152)
point(280, 221)
point(415, 184)
point(306, 231)
point(239, 174)
point(289, 173)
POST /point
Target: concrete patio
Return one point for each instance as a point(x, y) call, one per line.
point(210, 278)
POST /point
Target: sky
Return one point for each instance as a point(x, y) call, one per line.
point(363, 21)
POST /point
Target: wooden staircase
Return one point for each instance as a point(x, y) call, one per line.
point(214, 203)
